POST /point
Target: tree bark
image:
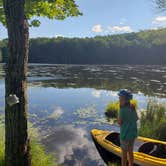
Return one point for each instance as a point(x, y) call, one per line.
point(17, 147)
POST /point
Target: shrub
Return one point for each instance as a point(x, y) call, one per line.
point(113, 108)
point(161, 130)
point(153, 121)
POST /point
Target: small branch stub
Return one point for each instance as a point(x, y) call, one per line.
point(12, 99)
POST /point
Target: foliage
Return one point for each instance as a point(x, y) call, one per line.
point(1, 58)
point(113, 108)
point(153, 121)
point(2, 144)
point(52, 9)
point(114, 164)
point(39, 156)
point(161, 4)
point(145, 47)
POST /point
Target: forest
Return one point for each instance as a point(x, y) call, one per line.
point(144, 47)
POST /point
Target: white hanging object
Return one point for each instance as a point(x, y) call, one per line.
point(12, 99)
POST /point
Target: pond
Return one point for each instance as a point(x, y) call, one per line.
point(67, 101)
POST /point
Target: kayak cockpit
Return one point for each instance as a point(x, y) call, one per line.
point(114, 138)
point(153, 149)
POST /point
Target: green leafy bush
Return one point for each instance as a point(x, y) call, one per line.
point(113, 108)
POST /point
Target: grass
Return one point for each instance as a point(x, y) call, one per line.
point(2, 144)
point(114, 164)
point(113, 107)
point(38, 154)
point(153, 120)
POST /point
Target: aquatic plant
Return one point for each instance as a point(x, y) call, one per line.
point(38, 154)
point(87, 112)
point(153, 120)
point(113, 108)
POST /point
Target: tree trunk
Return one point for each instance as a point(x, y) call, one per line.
point(17, 142)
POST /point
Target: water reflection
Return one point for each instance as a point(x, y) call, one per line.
point(67, 101)
point(72, 146)
point(150, 80)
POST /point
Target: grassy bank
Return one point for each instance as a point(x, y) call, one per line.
point(38, 154)
point(2, 144)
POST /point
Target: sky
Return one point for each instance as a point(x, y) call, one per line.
point(102, 17)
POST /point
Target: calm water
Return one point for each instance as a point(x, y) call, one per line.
point(67, 101)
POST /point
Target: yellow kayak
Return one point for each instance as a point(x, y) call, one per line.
point(147, 152)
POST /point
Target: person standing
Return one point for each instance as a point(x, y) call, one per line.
point(128, 126)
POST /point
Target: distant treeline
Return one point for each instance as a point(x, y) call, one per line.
point(145, 47)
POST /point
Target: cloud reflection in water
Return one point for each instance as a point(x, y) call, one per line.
point(72, 146)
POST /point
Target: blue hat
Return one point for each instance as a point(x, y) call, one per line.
point(127, 94)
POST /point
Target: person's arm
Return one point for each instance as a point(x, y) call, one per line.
point(119, 118)
point(134, 109)
point(119, 121)
point(136, 115)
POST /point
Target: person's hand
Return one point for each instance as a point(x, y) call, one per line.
point(132, 107)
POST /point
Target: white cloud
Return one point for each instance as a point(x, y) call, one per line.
point(66, 141)
point(96, 93)
point(97, 28)
point(159, 20)
point(58, 35)
point(112, 93)
point(116, 29)
point(56, 113)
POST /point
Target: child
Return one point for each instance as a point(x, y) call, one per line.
point(128, 126)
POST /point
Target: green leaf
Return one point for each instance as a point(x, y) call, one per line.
point(52, 9)
point(35, 23)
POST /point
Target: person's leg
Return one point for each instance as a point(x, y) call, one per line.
point(124, 152)
point(130, 154)
point(124, 157)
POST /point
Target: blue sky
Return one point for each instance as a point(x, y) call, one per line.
point(102, 17)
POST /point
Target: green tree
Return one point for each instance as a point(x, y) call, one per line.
point(0, 56)
point(145, 47)
point(17, 16)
